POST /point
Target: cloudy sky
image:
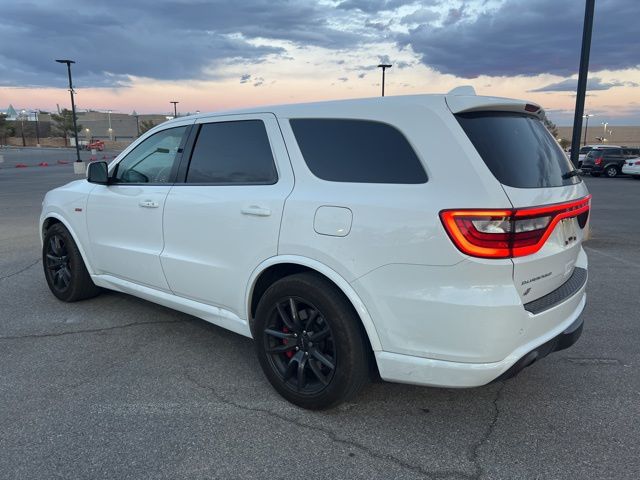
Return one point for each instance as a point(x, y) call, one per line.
point(212, 55)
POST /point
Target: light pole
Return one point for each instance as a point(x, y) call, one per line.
point(175, 108)
point(73, 107)
point(586, 127)
point(582, 79)
point(23, 113)
point(135, 114)
point(110, 129)
point(35, 116)
point(604, 133)
point(383, 66)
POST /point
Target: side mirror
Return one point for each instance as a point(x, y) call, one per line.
point(98, 173)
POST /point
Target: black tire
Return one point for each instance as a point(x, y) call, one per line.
point(296, 352)
point(611, 171)
point(636, 177)
point(595, 174)
point(64, 269)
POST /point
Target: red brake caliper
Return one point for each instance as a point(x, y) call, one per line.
point(286, 342)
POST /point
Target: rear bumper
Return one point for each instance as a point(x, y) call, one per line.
point(591, 169)
point(560, 342)
point(423, 371)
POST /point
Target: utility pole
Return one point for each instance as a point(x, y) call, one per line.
point(586, 127)
point(383, 66)
point(23, 113)
point(35, 113)
point(582, 80)
point(175, 108)
point(73, 108)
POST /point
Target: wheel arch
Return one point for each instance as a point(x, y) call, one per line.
point(279, 267)
point(51, 219)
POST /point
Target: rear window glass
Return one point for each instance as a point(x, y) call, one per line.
point(358, 151)
point(518, 149)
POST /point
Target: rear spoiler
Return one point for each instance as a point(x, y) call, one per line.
point(463, 102)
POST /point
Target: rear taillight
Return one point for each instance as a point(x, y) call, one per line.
point(598, 161)
point(508, 233)
point(638, 162)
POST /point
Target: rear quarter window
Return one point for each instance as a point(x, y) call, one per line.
point(518, 149)
point(358, 151)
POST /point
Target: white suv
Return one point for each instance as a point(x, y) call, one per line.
point(435, 237)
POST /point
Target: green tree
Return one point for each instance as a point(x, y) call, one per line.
point(146, 125)
point(3, 128)
point(7, 129)
point(63, 124)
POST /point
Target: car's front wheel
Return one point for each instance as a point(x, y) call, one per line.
point(310, 342)
point(64, 269)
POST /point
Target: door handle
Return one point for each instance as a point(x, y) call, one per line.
point(149, 204)
point(256, 211)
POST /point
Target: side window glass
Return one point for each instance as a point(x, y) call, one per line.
point(357, 151)
point(151, 161)
point(232, 153)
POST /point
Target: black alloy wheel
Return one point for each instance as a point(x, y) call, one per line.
point(57, 263)
point(310, 341)
point(300, 345)
point(64, 268)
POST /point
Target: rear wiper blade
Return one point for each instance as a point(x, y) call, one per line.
point(572, 173)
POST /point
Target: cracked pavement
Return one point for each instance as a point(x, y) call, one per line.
point(116, 387)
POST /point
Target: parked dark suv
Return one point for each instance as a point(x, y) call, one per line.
point(608, 161)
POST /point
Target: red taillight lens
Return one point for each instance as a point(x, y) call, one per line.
point(598, 161)
point(508, 233)
point(638, 162)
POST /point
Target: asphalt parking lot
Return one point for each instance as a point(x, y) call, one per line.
point(116, 387)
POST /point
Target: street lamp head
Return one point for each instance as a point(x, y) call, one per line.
point(65, 61)
point(384, 65)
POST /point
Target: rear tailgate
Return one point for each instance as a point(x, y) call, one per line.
point(512, 141)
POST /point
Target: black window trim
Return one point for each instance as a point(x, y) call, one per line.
point(416, 151)
point(176, 162)
point(185, 162)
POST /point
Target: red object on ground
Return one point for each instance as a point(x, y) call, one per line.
point(63, 162)
point(43, 164)
point(21, 165)
point(97, 144)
